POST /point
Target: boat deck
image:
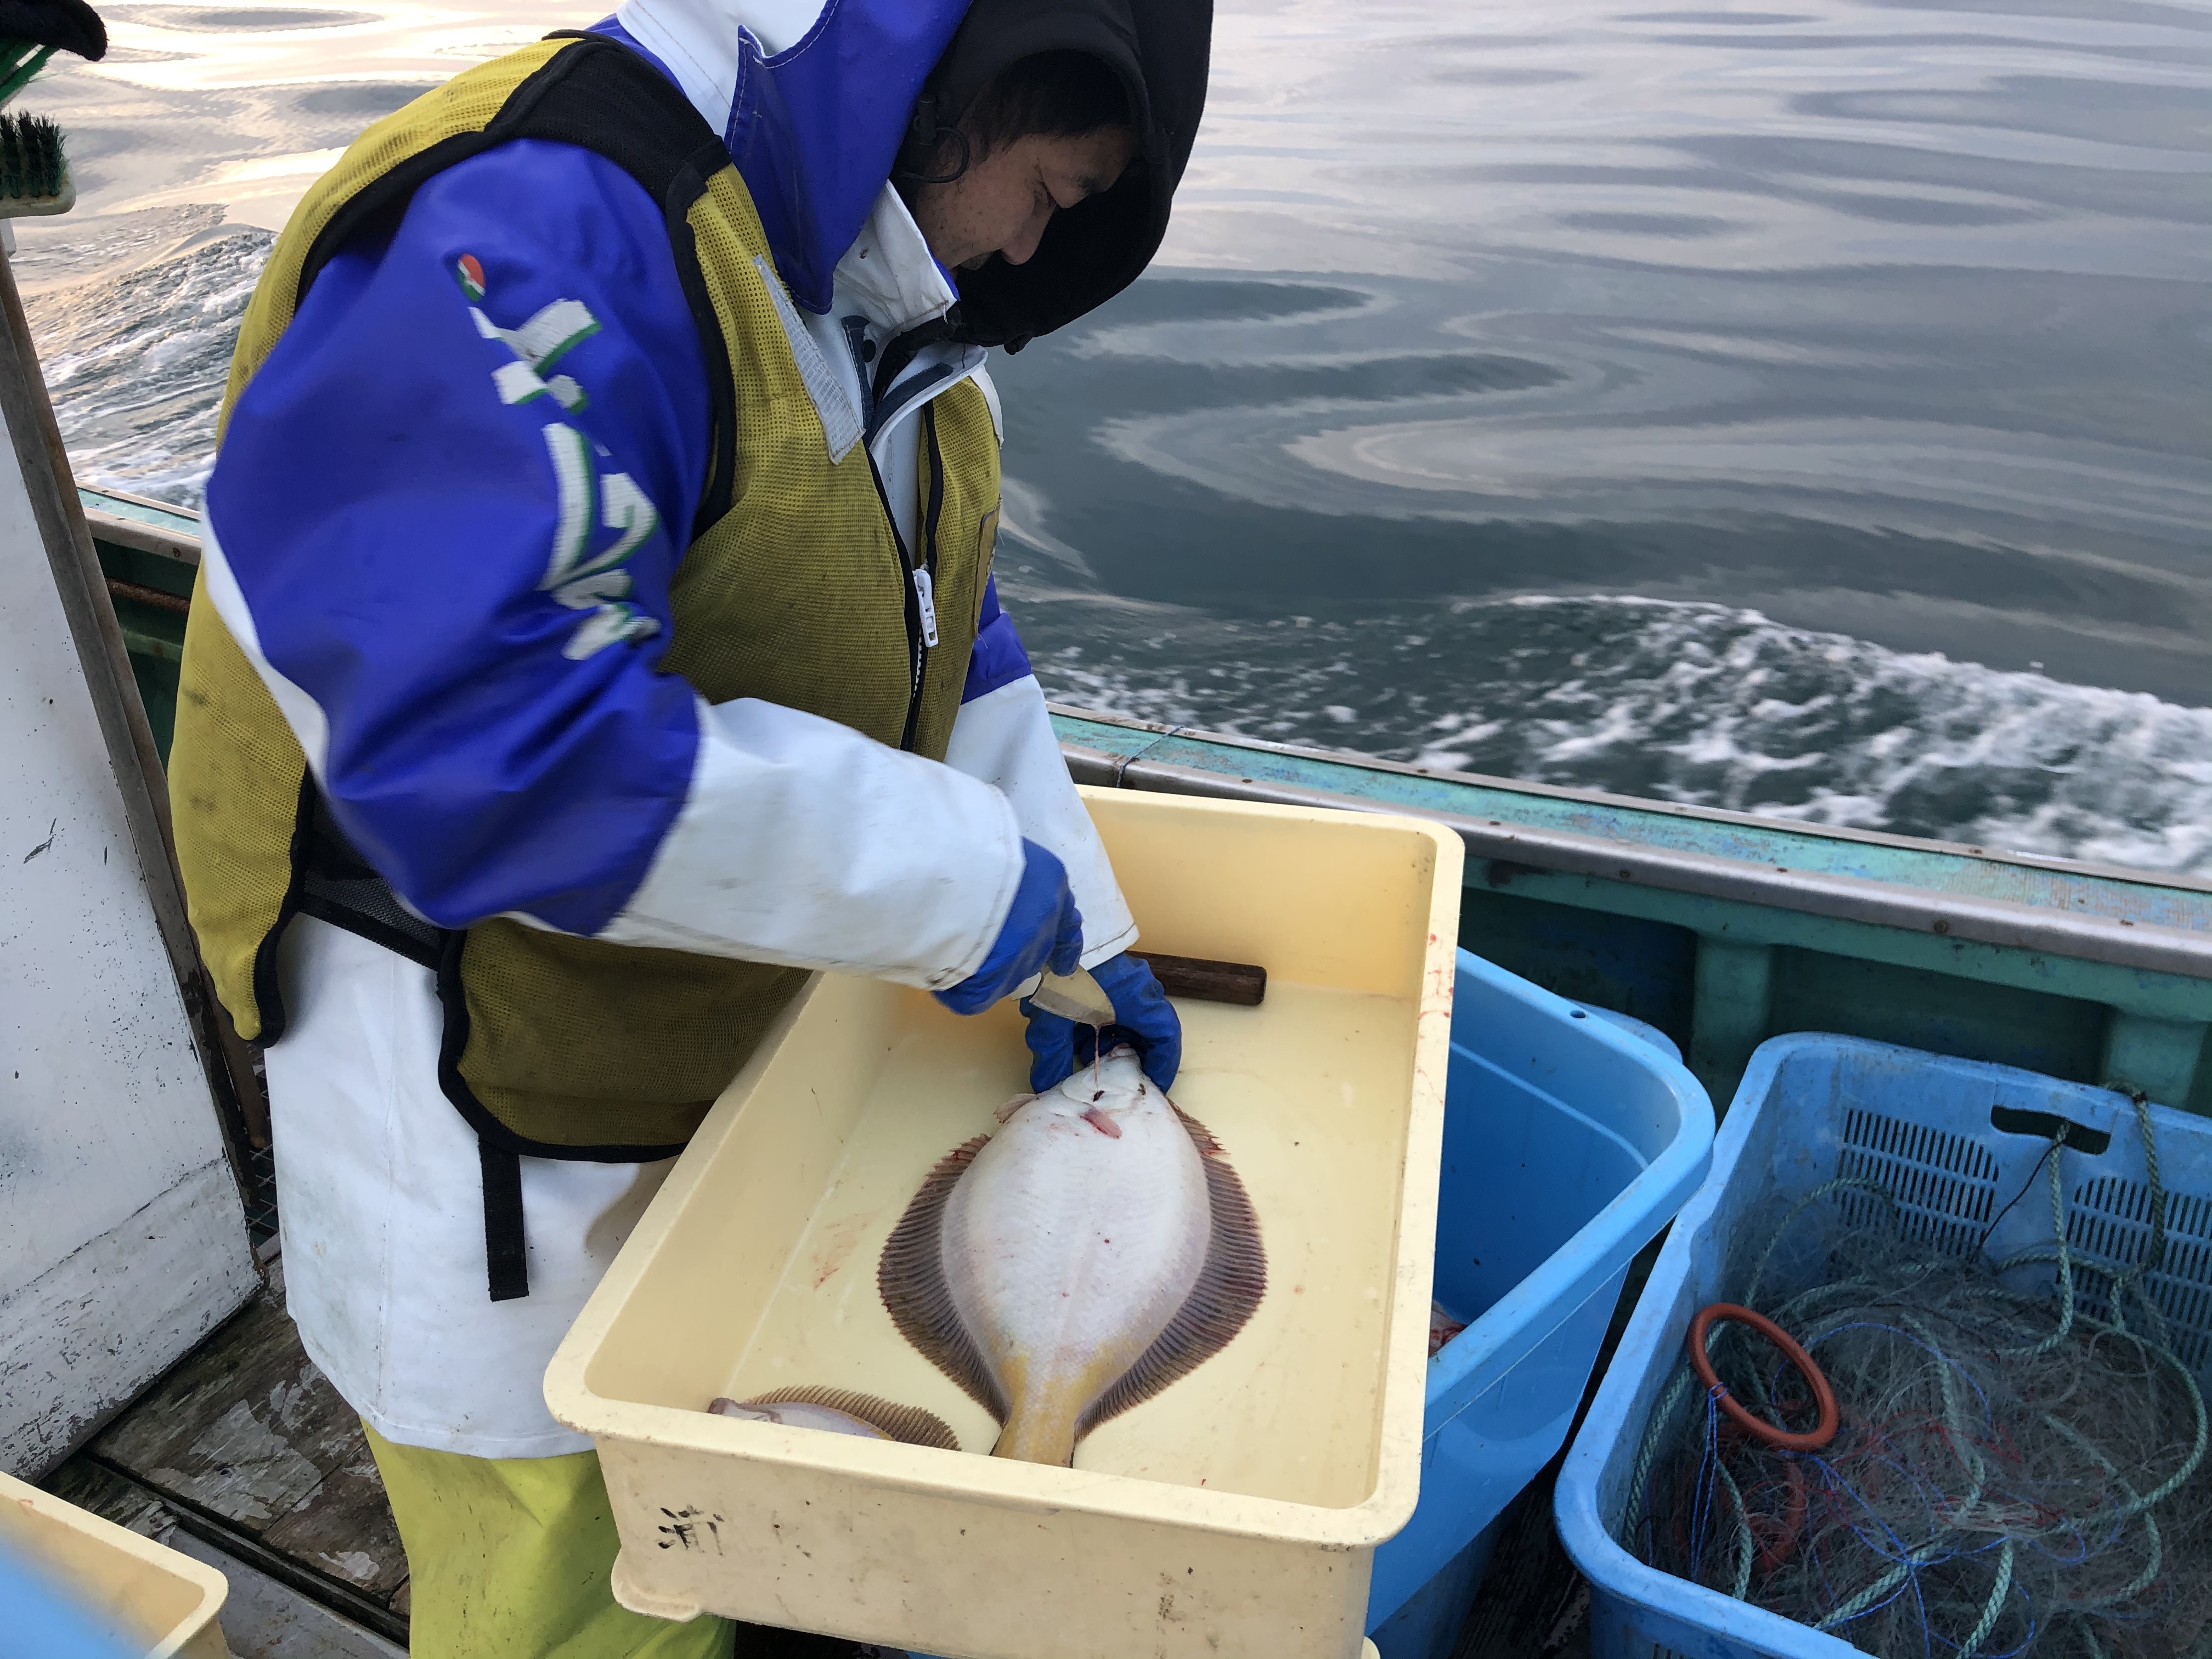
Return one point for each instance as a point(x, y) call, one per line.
point(245, 1455)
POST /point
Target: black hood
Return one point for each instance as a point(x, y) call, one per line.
point(71, 25)
point(1094, 250)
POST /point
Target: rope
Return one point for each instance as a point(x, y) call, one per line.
point(2126, 1283)
point(1744, 1549)
point(1998, 1591)
point(2065, 1255)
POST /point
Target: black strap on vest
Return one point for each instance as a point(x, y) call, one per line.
point(332, 883)
point(338, 885)
point(506, 1248)
point(601, 96)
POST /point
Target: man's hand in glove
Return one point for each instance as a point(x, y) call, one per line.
point(1043, 929)
point(1143, 1017)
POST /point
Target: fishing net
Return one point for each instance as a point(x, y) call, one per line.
point(2007, 1474)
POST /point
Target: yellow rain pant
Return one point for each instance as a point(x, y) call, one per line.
point(509, 1559)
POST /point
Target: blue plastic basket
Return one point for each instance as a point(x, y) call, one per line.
point(1813, 1108)
point(1570, 1140)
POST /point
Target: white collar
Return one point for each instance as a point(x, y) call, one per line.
point(889, 274)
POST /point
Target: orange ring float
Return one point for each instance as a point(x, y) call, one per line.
point(1765, 1433)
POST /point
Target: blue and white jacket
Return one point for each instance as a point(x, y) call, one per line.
point(379, 516)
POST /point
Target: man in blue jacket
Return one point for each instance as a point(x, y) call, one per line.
point(595, 635)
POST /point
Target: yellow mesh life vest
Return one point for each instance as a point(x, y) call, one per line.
point(792, 590)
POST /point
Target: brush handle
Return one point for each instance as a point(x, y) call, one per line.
point(1201, 979)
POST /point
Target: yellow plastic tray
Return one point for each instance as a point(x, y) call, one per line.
point(1233, 1515)
point(149, 1594)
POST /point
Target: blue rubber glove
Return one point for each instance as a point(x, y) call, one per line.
point(1143, 1017)
point(1043, 929)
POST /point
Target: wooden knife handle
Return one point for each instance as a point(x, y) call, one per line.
point(1242, 983)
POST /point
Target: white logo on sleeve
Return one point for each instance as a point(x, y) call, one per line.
point(552, 332)
point(590, 500)
point(577, 577)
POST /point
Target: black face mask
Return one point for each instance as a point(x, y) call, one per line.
point(1091, 251)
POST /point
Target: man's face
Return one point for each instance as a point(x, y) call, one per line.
point(1003, 201)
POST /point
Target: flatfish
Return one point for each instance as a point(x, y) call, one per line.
point(841, 1411)
point(1096, 1250)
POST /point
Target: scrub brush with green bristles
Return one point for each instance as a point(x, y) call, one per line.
point(34, 176)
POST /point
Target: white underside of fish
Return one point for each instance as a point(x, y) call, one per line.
point(1095, 1250)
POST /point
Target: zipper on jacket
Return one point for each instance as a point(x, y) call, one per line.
point(917, 652)
point(916, 597)
point(917, 577)
point(923, 590)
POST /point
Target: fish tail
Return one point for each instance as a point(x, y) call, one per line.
point(1038, 1438)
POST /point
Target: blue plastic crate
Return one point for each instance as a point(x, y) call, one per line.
point(1810, 1109)
point(1570, 1138)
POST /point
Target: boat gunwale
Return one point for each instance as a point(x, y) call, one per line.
point(1954, 917)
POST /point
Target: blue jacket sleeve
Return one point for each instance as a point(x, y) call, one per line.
point(998, 657)
point(451, 501)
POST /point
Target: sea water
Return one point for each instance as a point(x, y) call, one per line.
point(1798, 411)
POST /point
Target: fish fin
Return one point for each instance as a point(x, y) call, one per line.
point(1006, 1111)
point(909, 1424)
point(1227, 1291)
point(910, 1279)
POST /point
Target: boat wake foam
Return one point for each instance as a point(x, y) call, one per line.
point(136, 364)
point(1702, 703)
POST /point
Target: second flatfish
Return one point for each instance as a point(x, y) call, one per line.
point(1096, 1250)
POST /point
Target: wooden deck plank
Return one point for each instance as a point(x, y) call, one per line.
point(248, 1433)
point(235, 1428)
point(91, 1485)
point(265, 1618)
point(345, 1528)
